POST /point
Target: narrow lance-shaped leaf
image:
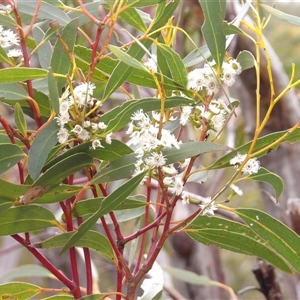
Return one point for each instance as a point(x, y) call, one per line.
point(53, 91)
point(91, 239)
point(274, 180)
point(20, 120)
point(26, 219)
point(41, 147)
point(275, 234)
point(112, 201)
point(261, 143)
point(17, 74)
point(212, 29)
point(55, 175)
point(132, 17)
point(175, 64)
point(10, 154)
point(18, 290)
point(60, 61)
point(235, 237)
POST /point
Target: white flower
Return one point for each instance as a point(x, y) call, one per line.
point(178, 185)
point(102, 125)
point(130, 128)
point(168, 181)
point(185, 115)
point(62, 135)
point(170, 170)
point(155, 160)
point(138, 115)
point(217, 122)
point(212, 86)
point(196, 79)
point(151, 63)
point(83, 93)
point(185, 198)
point(86, 124)
point(63, 119)
point(84, 135)
point(8, 38)
point(251, 167)
point(96, 144)
point(14, 53)
point(236, 189)
point(77, 129)
point(228, 77)
point(208, 207)
point(108, 138)
point(238, 159)
point(235, 65)
point(64, 107)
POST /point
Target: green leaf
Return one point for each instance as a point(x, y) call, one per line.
point(110, 203)
point(120, 116)
point(126, 58)
point(231, 29)
point(20, 120)
point(64, 168)
point(10, 154)
point(89, 206)
point(133, 18)
point(196, 56)
point(53, 92)
point(261, 143)
point(59, 193)
point(12, 91)
point(46, 11)
point(3, 56)
point(191, 149)
point(26, 219)
point(10, 191)
point(275, 234)
point(120, 168)
point(281, 15)
point(44, 50)
point(60, 61)
point(91, 239)
point(274, 180)
point(40, 148)
point(126, 215)
point(246, 59)
point(212, 29)
point(122, 71)
point(143, 3)
point(59, 297)
point(18, 290)
point(4, 206)
point(175, 64)
point(95, 297)
point(7, 21)
point(26, 271)
point(17, 74)
point(235, 237)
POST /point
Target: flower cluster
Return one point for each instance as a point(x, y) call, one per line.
point(251, 166)
point(7, 39)
point(213, 115)
point(72, 108)
point(206, 78)
point(148, 143)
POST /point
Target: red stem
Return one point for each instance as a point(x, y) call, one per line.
point(88, 266)
point(48, 265)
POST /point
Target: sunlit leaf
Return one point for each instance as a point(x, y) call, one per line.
point(18, 290)
point(17, 74)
